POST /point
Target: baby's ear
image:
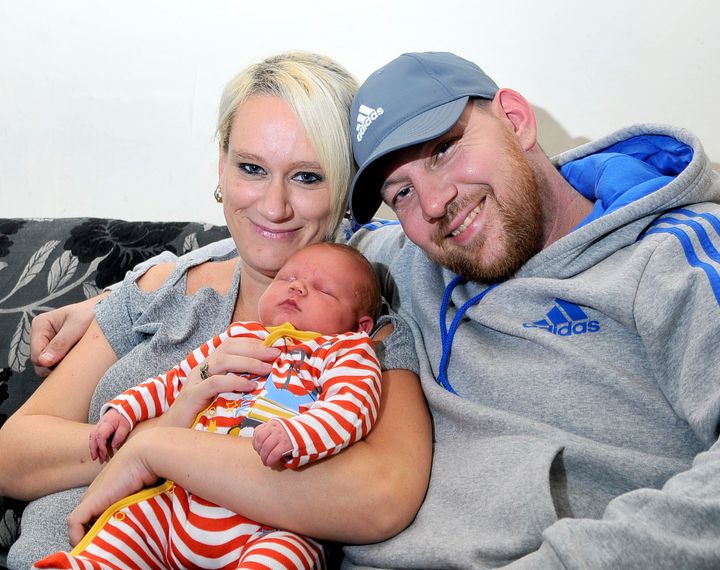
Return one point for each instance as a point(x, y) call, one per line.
point(365, 324)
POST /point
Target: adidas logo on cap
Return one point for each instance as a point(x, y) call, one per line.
point(366, 116)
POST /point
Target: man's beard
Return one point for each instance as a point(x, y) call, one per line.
point(520, 220)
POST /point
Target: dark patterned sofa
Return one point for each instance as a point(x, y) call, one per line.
point(47, 263)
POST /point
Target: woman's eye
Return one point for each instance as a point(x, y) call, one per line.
point(252, 169)
point(308, 177)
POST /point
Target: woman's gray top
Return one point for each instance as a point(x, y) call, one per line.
point(150, 333)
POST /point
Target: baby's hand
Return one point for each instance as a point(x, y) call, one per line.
point(114, 425)
point(272, 442)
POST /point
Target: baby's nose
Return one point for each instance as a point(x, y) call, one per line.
point(298, 286)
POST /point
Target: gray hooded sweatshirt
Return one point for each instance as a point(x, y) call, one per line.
point(578, 421)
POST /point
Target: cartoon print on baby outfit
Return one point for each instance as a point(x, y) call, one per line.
point(286, 391)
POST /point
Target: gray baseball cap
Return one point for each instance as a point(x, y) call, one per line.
point(413, 99)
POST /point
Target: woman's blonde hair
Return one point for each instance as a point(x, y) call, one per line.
point(320, 91)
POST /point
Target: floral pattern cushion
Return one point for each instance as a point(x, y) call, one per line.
point(48, 263)
point(10, 510)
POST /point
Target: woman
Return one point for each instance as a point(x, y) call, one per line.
point(284, 168)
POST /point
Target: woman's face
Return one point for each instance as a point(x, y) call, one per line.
point(276, 198)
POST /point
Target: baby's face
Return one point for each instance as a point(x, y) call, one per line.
point(316, 291)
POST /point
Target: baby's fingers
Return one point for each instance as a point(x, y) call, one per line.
point(260, 434)
point(99, 437)
point(98, 446)
point(93, 446)
point(271, 442)
point(121, 434)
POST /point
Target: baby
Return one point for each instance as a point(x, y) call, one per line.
point(322, 395)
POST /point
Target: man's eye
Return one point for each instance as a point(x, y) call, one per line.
point(401, 195)
point(250, 168)
point(308, 177)
point(443, 147)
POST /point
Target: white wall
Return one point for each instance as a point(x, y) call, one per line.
point(108, 108)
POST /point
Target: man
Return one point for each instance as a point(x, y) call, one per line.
point(572, 376)
point(566, 316)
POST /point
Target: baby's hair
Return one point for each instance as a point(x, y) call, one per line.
point(369, 298)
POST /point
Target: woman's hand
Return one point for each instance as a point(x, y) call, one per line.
point(128, 472)
point(233, 357)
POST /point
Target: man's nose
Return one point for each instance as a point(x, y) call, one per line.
point(435, 195)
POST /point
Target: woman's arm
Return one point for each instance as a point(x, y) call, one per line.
point(44, 445)
point(367, 493)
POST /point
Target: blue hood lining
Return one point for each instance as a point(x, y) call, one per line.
point(626, 171)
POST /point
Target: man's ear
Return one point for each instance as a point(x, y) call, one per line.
point(516, 109)
point(365, 324)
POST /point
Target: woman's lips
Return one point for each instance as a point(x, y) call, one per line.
point(271, 233)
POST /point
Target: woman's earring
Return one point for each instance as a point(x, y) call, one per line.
point(218, 194)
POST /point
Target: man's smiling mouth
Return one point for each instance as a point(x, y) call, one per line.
point(468, 220)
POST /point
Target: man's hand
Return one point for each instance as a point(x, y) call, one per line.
point(111, 425)
point(272, 442)
point(54, 333)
